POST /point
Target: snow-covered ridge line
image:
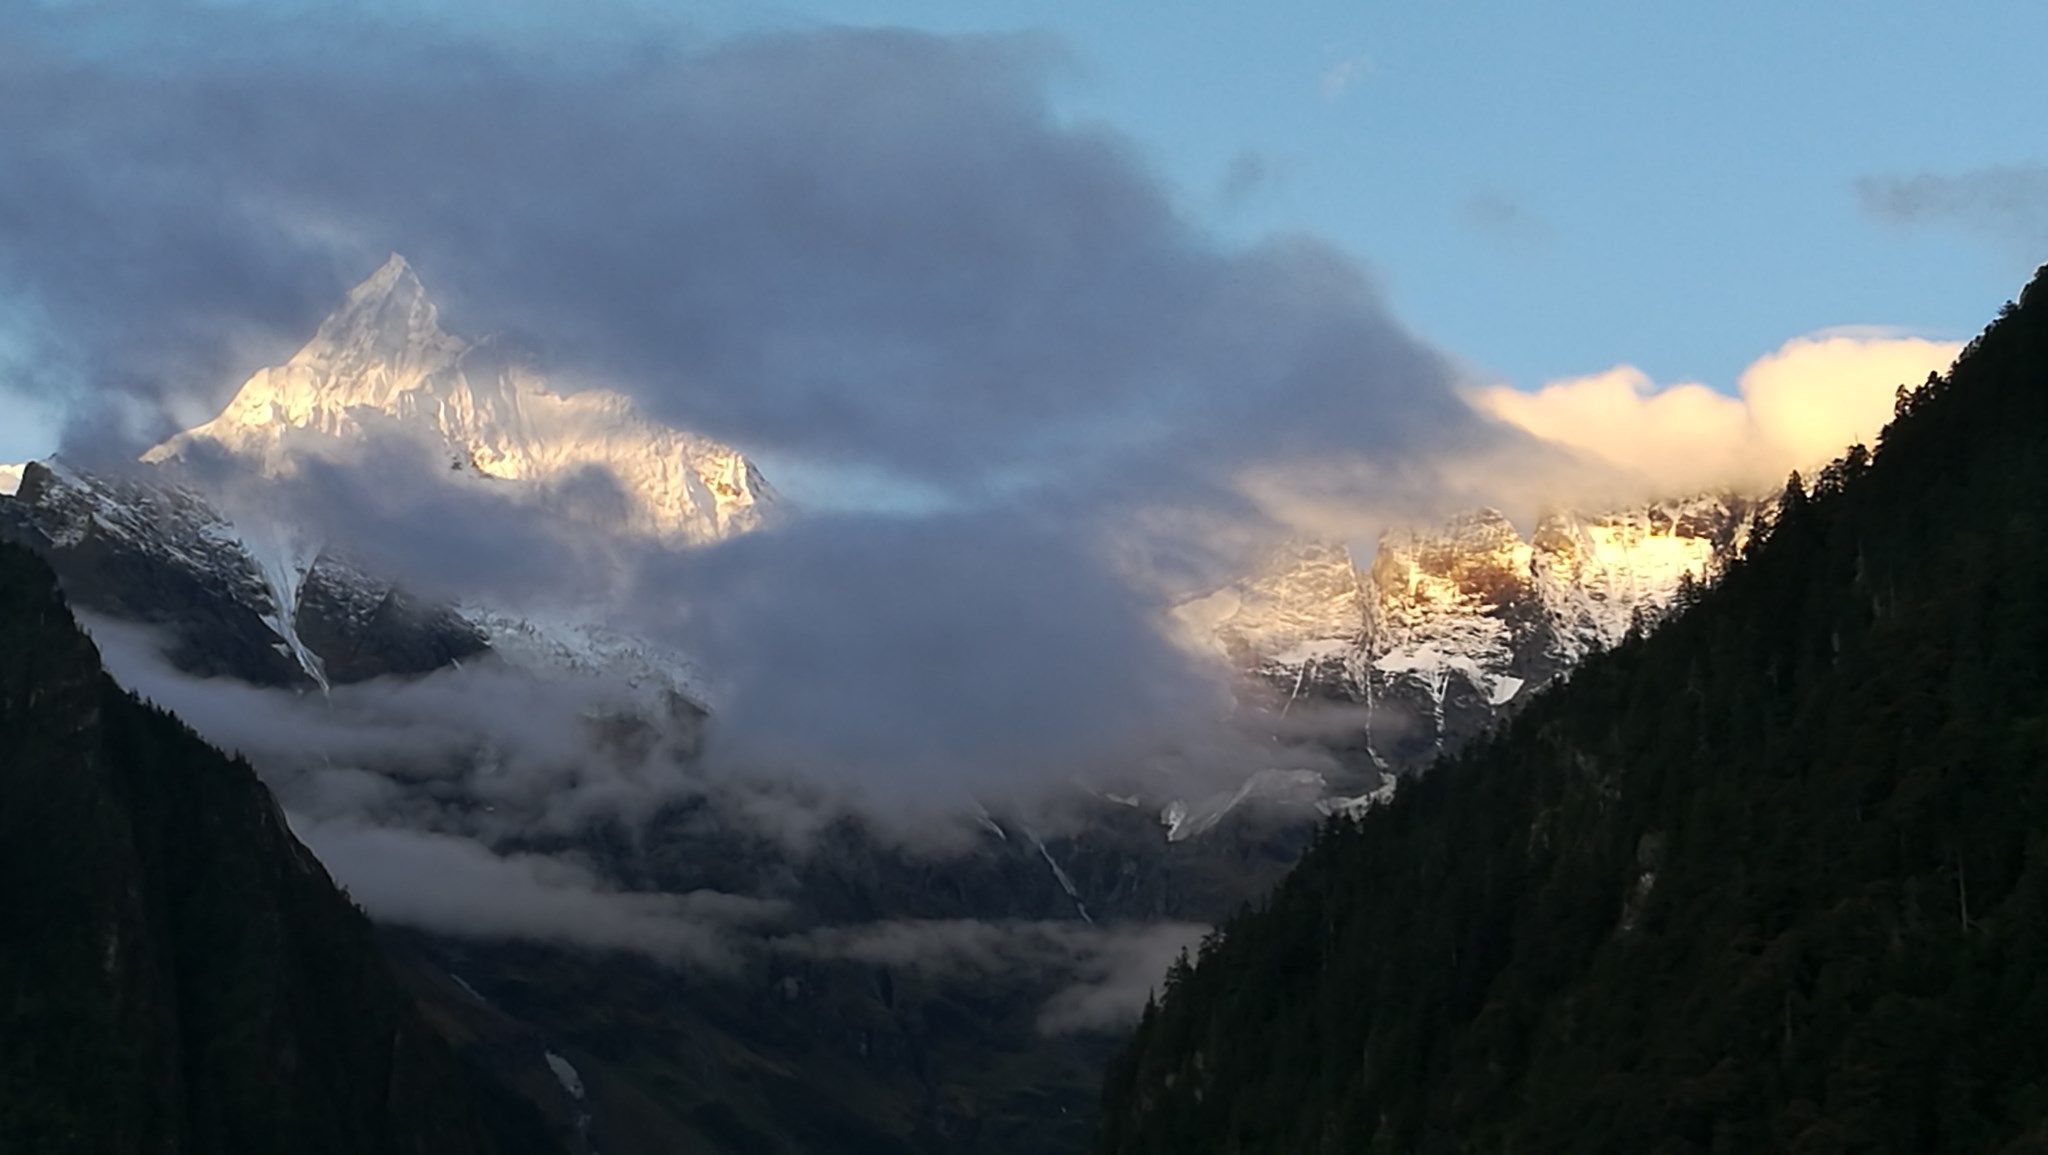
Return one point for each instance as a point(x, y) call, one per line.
point(266, 569)
point(564, 642)
point(1449, 625)
point(258, 567)
point(10, 479)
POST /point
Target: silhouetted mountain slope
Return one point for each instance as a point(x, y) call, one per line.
point(1772, 878)
point(177, 973)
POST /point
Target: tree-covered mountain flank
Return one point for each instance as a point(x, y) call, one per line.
point(177, 973)
point(1772, 878)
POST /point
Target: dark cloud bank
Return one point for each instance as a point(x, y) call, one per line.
point(867, 246)
point(874, 251)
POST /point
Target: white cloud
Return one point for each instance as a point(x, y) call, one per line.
point(1339, 77)
point(1794, 408)
point(1103, 972)
point(454, 885)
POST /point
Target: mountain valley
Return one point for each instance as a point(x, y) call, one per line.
point(952, 1038)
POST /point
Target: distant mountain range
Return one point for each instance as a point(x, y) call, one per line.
point(1437, 634)
point(1444, 631)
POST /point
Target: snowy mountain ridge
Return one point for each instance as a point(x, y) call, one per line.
point(247, 599)
point(1451, 625)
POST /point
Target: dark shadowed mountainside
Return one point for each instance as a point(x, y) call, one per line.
point(1773, 878)
point(178, 973)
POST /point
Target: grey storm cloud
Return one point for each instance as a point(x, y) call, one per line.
point(879, 251)
point(878, 248)
point(391, 505)
point(936, 658)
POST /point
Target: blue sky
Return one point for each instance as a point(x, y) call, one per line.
point(1544, 192)
point(1547, 190)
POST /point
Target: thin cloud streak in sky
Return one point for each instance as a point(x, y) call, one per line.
point(1341, 76)
point(2005, 204)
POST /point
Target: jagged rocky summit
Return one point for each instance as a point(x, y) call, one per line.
point(1450, 626)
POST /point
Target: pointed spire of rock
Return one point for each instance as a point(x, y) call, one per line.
point(386, 318)
point(393, 278)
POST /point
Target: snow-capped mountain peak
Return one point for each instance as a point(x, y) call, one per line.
point(387, 332)
point(382, 360)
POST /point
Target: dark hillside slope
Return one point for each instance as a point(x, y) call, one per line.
point(177, 973)
point(1774, 878)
